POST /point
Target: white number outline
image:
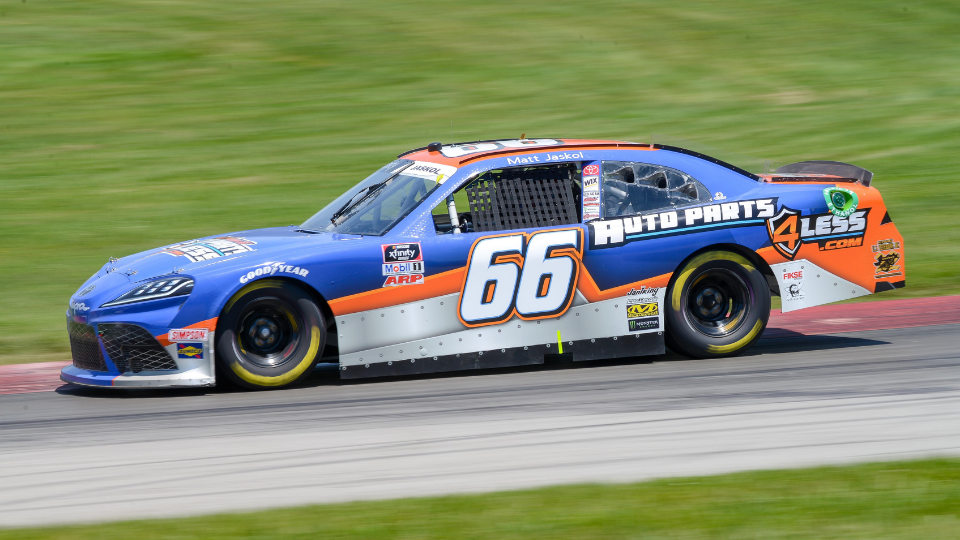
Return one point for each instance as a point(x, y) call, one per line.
point(517, 259)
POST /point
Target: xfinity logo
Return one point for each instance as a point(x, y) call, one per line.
point(394, 253)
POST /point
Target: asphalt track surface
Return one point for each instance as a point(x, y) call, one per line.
point(77, 455)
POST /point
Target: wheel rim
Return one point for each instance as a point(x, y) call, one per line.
point(718, 303)
point(268, 332)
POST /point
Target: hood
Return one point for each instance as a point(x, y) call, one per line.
point(212, 254)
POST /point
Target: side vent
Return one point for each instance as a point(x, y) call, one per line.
point(886, 219)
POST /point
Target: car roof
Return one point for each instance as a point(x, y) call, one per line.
point(494, 148)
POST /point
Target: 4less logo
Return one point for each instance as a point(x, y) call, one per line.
point(788, 230)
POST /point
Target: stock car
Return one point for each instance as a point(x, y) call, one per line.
point(491, 254)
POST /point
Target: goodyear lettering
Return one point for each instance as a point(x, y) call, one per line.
point(270, 269)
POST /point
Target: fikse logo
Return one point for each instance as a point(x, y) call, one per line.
point(531, 275)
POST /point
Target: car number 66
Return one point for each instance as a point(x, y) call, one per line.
point(531, 275)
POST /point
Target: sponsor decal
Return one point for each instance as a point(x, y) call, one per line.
point(794, 291)
point(719, 196)
point(643, 294)
point(403, 264)
point(393, 253)
point(591, 199)
point(211, 248)
point(793, 275)
point(190, 350)
point(881, 245)
point(79, 306)
point(591, 183)
point(271, 268)
point(591, 170)
point(458, 150)
point(395, 269)
point(615, 232)
point(87, 290)
point(187, 334)
point(886, 258)
point(646, 323)
point(403, 279)
point(430, 171)
point(788, 230)
point(530, 275)
point(841, 202)
point(642, 310)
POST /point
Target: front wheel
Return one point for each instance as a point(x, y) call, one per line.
point(269, 335)
point(718, 306)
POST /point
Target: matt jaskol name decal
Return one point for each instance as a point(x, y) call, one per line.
point(618, 231)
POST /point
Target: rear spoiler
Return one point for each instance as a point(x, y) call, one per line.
point(846, 171)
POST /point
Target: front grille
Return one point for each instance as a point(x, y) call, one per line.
point(132, 348)
point(85, 347)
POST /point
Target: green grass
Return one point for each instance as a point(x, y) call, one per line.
point(916, 500)
point(130, 124)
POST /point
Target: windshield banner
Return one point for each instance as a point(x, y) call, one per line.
point(430, 171)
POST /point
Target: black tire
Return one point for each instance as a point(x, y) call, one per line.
point(269, 335)
point(717, 306)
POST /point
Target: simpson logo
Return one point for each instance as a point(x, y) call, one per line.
point(190, 350)
point(211, 248)
point(404, 279)
point(615, 232)
point(788, 231)
point(591, 170)
point(393, 253)
point(533, 276)
point(646, 323)
point(394, 269)
point(642, 310)
point(187, 334)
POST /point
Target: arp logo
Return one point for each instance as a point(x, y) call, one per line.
point(784, 232)
point(403, 279)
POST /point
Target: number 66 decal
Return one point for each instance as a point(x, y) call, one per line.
point(530, 275)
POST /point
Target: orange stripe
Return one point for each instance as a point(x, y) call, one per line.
point(589, 289)
point(209, 324)
point(443, 283)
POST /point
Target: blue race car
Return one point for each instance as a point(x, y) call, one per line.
point(492, 254)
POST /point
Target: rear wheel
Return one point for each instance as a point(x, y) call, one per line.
point(718, 306)
point(269, 335)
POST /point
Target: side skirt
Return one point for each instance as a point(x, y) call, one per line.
point(583, 350)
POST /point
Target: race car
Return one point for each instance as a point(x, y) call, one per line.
point(491, 254)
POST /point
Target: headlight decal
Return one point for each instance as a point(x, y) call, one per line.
point(154, 290)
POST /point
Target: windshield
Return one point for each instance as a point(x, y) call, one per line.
point(373, 206)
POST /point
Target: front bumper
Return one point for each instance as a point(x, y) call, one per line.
point(130, 355)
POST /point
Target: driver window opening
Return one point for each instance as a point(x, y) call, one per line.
point(515, 198)
point(631, 188)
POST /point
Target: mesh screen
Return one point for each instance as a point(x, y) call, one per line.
point(85, 348)
point(133, 349)
point(522, 199)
